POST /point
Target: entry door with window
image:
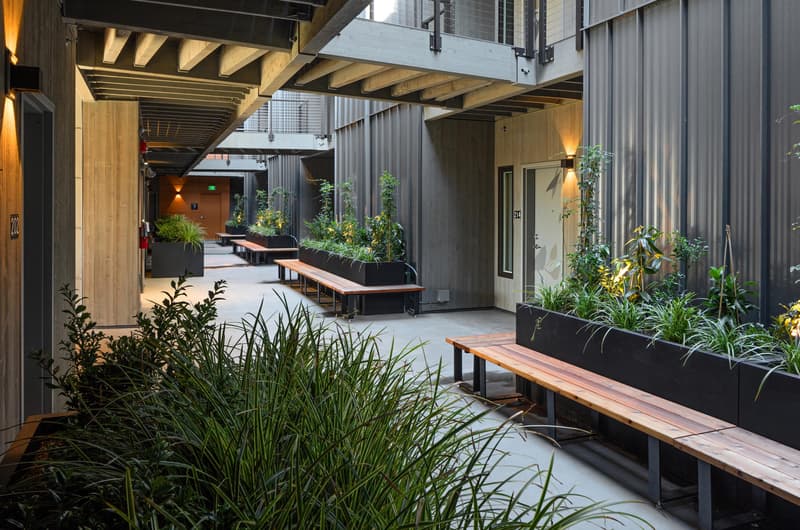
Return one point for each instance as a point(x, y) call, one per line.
point(543, 257)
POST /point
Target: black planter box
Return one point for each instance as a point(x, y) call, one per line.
point(283, 241)
point(171, 260)
point(365, 273)
point(705, 381)
point(236, 230)
point(772, 413)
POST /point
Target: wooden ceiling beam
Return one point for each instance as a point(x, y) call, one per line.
point(421, 83)
point(113, 43)
point(388, 78)
point(147, 44)
point(234, 58)
point(353, 73)
point(453, 89)
point(192, 51)
point(530, 98)
point(320, 68)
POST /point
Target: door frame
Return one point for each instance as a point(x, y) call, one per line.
point(39, 104)
point(526, 251)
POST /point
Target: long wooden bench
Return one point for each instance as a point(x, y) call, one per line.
point(348, 291)
point(224, 238)
point(768, 465)
point(253, 252)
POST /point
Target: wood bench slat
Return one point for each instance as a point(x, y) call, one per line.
point(562, 384)
point(687, 418)
point(728, 453)
point(341, 285)
point(476, 341)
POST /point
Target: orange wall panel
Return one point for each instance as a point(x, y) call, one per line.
point(178, 194)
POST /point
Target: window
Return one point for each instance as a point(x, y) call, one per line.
point(505, 225)
point(505, 21)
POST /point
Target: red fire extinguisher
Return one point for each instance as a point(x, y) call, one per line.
point(144, 239)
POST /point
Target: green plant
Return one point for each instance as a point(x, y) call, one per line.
point(178, 229)
point(292, 423)
point(387, 238)
point(262, 230)
point(644, 257)
point(687, 251)
point(673, 320)
point(751, 342)
point(590, 253)
point(322, 226)
point(271, 220)
point(727, 300)
point(557, 297)
point(620, 312)
point(237, 216)
point(586, 302)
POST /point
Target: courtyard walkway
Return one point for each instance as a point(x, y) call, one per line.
point(588, 468)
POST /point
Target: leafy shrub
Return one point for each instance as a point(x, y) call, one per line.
point(556, 297)
point(727, 300)
point(271, 220)
point(673, 320)
point(178, 229)
point(620, 312)
point(262, 230)
point(322, 226)
point(586, 302)
point(294, 424)
point(237, 216)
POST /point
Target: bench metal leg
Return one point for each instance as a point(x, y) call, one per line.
point(482, 376)
point(476, 373)
point(704, 501)
point(654, 469)
point(458, 373)
point(551, 413)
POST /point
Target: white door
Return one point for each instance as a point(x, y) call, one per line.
point(544, 228)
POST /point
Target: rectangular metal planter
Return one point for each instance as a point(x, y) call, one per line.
point(171, 260)
point(236, 230)
point(772, 413)
point(282, 241)
point(365, 273)
point(704, 381)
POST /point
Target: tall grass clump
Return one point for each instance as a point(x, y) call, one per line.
point(279, 423)
point(673, 320)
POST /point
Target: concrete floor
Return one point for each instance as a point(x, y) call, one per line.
point(586, 468)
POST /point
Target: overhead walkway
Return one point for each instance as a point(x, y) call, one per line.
point(199, 68)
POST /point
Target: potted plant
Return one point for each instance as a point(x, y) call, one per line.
point(272, 222)
point(178, 248)
point(237, 224)
point(371, 255)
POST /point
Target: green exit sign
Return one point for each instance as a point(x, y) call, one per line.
point(212, 187)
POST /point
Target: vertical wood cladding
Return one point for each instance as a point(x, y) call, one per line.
point(33, 30)
point(111, 207)
point(740, 79)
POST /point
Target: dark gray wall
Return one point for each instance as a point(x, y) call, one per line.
point(445, 196)
point(692, 97)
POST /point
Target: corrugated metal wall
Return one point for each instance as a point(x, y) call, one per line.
point(445, 195)
point(699, 127)
point(287, 172)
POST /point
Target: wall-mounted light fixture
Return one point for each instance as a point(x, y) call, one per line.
point(20, 78)
point(568, 163)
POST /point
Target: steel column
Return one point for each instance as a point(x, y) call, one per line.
point(704, 513)
point(654, 469)
point(458, 373)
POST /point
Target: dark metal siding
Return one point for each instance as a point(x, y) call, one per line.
point(445, 186)
point(785, 244)
point(286, 172)
point(737, 92)
point(705, 142)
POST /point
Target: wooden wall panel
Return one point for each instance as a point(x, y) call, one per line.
point(110, 211)
point(213, 207)
point(34, 31)
point(533, 138)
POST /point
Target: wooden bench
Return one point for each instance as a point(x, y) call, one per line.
point(253, 252)
point(224, 238)
point(349, 291)
point(766, 464)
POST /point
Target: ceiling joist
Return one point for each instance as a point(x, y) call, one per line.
point(453, 88)
point(320, 68)
point(353, 73)
point(147, 44)
point(113, 43)
point(421, 83)
point(234, 58)
point(388, 78)
point(192, 51)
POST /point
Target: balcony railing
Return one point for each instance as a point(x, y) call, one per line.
point(287, 112)
point(503, 21)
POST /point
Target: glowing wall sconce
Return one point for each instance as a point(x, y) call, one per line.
point(20, 78)
point(568, 163)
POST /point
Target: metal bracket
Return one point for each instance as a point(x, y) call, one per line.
point(436, 42)
point(546, 55)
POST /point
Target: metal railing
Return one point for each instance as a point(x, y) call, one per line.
point(503, 21)
point(287, 112)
